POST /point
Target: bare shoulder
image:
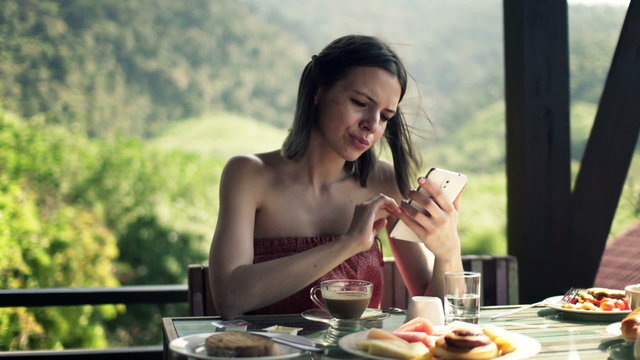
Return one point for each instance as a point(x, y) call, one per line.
point(251, 164)
point(249, 172)
point(383, 179)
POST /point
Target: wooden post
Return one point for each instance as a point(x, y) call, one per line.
point(608, 153)
point(538, 145)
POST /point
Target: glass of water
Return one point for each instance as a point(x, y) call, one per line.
point(462, 296)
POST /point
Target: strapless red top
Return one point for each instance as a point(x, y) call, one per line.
point(367, 265)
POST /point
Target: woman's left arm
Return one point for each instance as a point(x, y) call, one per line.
point(423, 265)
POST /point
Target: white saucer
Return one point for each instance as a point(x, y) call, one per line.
point(323, 316)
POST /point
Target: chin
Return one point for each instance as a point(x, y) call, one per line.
point(357, 154)
point(351, 154)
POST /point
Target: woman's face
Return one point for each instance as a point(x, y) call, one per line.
point(353, 114)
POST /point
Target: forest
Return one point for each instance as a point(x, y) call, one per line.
point(116, 118)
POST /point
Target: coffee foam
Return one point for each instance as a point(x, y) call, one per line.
point(347, 295)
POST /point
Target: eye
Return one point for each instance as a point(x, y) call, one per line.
point(358, 103)
point(385, 117)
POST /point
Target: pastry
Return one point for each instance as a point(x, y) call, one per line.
point(239, 344)
point(465, 344)
point(630, 325)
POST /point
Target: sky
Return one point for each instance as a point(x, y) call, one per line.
point(600, 2)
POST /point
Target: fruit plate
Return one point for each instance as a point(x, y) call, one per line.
point(555, 302)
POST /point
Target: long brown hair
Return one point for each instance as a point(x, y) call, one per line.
point(333, 64)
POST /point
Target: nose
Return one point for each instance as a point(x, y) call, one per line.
point(370, 122)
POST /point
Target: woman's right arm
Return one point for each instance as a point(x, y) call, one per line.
point(238, 285)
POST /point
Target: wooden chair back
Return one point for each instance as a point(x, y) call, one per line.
point(499, 280)
point(499, 283)
point(200, 296)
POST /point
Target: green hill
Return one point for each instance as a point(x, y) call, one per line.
point(221, 135)
point(114, 67)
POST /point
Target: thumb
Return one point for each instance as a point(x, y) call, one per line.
point(379, 225)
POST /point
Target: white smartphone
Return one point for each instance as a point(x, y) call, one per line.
point(451, 183)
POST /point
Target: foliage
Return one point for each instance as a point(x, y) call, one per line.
point(77, 213)
point(590, 55)
point(111, 67)
point(46, 242)
point(453, 49)
point(128, 67)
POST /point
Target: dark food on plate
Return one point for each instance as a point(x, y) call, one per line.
point(239, 344)
point(465, 344)
point(630, 326)
point(466, 339)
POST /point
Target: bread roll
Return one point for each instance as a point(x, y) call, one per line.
point(239, 344)
point(630, 325)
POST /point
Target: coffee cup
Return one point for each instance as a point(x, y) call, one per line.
point(633, 293)
point(343, 298)
point(428, 307)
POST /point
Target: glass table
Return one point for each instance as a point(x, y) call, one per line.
point(562, 335)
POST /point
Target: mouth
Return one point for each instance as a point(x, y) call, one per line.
point(359, 141)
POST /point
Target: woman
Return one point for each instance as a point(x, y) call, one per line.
point(312, 210)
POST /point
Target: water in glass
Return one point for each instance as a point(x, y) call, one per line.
point(462, 307)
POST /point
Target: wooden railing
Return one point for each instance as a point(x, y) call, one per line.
point(149, 294)
point(500, 284)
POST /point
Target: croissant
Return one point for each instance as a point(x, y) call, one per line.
point(630, 326)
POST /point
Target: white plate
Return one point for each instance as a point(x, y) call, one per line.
point(614, 329)
point(555, 302)
point(323, 316)
point(193, 346)
point(525, 346)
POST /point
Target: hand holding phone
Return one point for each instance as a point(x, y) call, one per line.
point(450, 183)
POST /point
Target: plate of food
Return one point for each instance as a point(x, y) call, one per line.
point(229, 344)
point(593, 303)
point(320, 315)
point(418, 338)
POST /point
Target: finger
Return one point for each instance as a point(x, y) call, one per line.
point(436, 193)
point(419, 199)
point(417, 229)
point(413, 218)
point(384, 206)
point(392, 208)
point(437, 216)
point(434, 216)
point(381, 199)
